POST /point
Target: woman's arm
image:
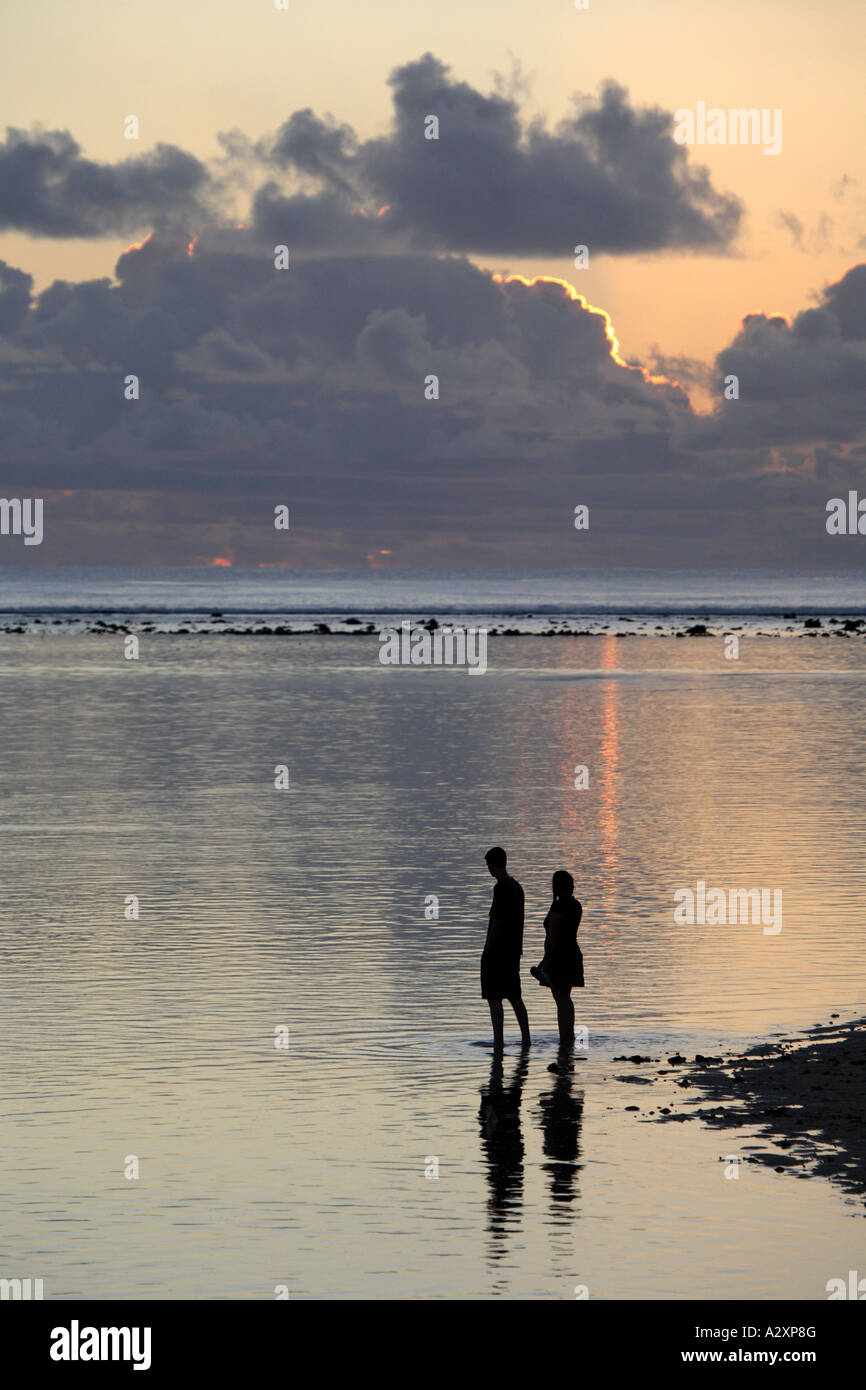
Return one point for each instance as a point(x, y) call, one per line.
point(555, 923)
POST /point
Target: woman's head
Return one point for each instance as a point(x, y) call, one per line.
point(563, 883)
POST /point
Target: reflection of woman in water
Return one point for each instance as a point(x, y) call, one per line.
point(502, 1143)
point(562, 966)
point(561, 1120)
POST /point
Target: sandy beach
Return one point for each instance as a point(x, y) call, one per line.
point(806, 1096)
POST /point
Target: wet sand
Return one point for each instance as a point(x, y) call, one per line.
point(808, 1097)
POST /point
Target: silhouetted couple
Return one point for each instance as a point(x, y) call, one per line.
point(560, 969)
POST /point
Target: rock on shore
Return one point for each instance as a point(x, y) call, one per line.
point(808, 1097)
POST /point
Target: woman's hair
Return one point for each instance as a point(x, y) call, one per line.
point(562, 883)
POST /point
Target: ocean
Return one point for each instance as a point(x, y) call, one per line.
point(244, 1044)
point(189, 598)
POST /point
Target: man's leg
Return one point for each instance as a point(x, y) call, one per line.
point(522, 1018)
point(496, 1018)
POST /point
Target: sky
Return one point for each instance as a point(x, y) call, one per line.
point(412, 258)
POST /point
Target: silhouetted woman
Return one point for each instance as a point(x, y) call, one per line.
point(562, 966)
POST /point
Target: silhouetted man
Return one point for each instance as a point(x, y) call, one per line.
point(500, 960)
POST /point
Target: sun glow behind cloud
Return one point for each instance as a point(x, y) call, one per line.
point(610, 332)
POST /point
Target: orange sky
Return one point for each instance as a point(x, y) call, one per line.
point(188, 72)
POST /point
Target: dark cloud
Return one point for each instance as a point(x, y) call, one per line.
point(846, 301)
point(49, 189)
point(307, 385)
point(256, 372)
point(609, 176)
point(16, 289)
point(319, 148)
point(800, 383)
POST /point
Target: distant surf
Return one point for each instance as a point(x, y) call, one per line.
point(271, 602)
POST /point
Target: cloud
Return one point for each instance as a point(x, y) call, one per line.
point(220, 355)
point(306, 386)
point(813, 241)
point(49, 189)
point(322, 365)
point(16, 289)
point(801, 382)
point(609, 176)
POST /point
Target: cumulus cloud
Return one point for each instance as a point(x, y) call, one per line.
point(324, 364)
point(801, 382)
point(307, 385)
point(16, 289)
point(609, 176)
point(48, 188)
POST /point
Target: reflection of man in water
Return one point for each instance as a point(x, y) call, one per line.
point(500, 960)
point(502, 1142)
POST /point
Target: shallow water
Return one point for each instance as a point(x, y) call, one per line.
point(305, 910)
point(71, 599)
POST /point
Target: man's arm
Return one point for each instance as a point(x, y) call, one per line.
point(495, 931)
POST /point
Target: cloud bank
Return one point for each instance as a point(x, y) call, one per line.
point(609, 175)
point(389, 389)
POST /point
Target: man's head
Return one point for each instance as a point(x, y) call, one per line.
point(496, 859)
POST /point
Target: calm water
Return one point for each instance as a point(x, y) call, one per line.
point(304, 909)
point(72, 597)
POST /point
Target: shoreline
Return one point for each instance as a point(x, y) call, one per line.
point(807, 1095)
point(218, 624)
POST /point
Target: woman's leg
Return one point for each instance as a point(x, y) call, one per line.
point(522, 1017)
point(564, 1015)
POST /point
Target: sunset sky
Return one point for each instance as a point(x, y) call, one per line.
point(305, 387)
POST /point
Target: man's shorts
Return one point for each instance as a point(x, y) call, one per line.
point(499, 982)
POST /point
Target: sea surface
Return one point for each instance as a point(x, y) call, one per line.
point(206, 599)
point(288, 1042)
